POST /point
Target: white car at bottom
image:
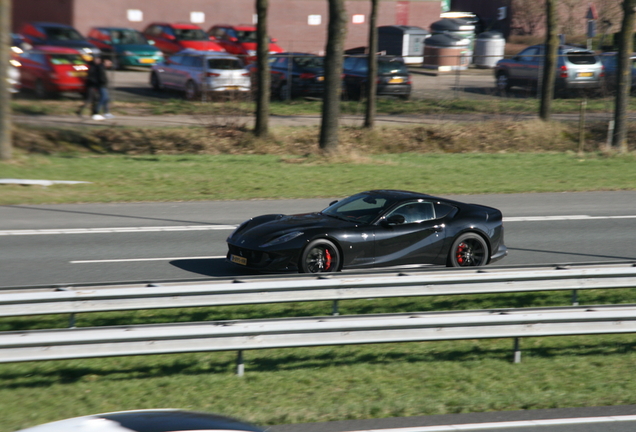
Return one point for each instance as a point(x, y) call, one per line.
point(201, 72)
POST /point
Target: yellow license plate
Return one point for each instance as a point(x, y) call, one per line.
point(147, 60)
point(396, 80)
point(232, 87)
point(78, 74)
point(238, 260)
point(585, 74)
point(320, 78)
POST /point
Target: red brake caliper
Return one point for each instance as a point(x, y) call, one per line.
point(327, 259)
point(460, 253)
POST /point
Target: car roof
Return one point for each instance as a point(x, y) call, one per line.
point(190, 51)
point(114, 28)
point(182, 25)
point(50, 24)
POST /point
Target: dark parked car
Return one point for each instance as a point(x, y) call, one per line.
point(301, 74)
point(393, 77)
point(125, 46)
point(371, 229)
point(53, 34)
point(610, 62)
point(577, 68)
point(160, 420)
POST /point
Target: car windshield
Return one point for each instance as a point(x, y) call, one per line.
point(63, 34)
point(246, 35)
point(66, 59)
point(224, 64)
point(127, 37)
point(363, 208)
point(391, 66)
point(309, 62)
point(191, 34)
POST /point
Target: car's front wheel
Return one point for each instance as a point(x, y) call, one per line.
point(503, 82)
point(155, 82)
point(320, 256)
point(468, 250)
point(191, 90)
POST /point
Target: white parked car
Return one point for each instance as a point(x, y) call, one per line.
point(197, 72)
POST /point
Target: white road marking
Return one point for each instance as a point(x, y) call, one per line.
point(143, 259)
point(561, 218)
point(509, 424)
point(118, 230)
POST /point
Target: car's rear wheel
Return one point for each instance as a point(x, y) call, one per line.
point(283, 91)
point(320, 256)
point(503, 82)
point(468, 250)
point(191, 90)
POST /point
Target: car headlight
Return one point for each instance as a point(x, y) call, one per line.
point(93, 51)
point(128, 53)
point(282, 239)
point(251, 52)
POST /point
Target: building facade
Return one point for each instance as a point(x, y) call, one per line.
point(298, 25)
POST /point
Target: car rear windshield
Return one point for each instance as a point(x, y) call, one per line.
point(126, 36)
point(391, 66)
point(581, 57)
point(224, 64)
point(66, 59)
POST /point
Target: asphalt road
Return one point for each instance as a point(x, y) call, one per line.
point(85, 243)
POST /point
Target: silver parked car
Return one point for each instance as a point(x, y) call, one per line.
point(577, 68)
point(196, 72)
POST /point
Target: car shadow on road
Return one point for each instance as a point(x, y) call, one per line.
point(215, 267)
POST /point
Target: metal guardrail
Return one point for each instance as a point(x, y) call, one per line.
point(336, 288)
point(62, 344)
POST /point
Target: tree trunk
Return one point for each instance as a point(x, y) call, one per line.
point(369, 118)
point(333, 71)
point(550, 61)
point(263, 78)
point(624, 76)
point(6, 148)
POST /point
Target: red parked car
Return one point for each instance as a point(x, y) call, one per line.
point(49, 70)
point(172, 38)
point(240, 40)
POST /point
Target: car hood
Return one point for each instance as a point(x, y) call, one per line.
point(72, 44)
point(137, 48)
point(202, 45)
point(263, 229)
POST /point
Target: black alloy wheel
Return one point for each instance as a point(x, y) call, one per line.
point(468, 250)
point(320, 256)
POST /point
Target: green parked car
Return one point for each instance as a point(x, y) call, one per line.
point(125, 46)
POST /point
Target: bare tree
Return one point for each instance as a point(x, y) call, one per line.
point(6, 147)
point(550, 61)
point(337, 30)
point(624, 76)
point(527, 15)
point(572, 17)
point(261, 127)
point(369, 118)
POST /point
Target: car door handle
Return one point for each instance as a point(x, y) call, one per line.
point(438, 228)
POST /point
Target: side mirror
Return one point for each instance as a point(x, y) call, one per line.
point(333, 202)
point(273, 40)
point(233, 39)
point(396, 219)
point(212, 38)
point(169, 37)
point(151, 42)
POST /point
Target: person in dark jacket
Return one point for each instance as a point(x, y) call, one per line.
point(96, 91)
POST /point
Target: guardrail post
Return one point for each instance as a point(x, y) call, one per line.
point(240, 366)
point(334, 308)
point(71, 321)
point(517, 352)
point(575, 298)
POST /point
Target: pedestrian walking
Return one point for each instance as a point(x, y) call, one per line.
point(96, 91)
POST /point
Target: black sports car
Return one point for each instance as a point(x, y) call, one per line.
point(372, 229)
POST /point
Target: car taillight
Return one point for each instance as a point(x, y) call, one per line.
point(564, 72)
point(212, 74)
point(307, 75)
point(245, 74)
point(602, 75)
point(408, 81)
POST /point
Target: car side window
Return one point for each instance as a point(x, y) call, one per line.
point(349, 63)
point(361, 66)
point(415, 212)
point(176, 59)
point(281, 62)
